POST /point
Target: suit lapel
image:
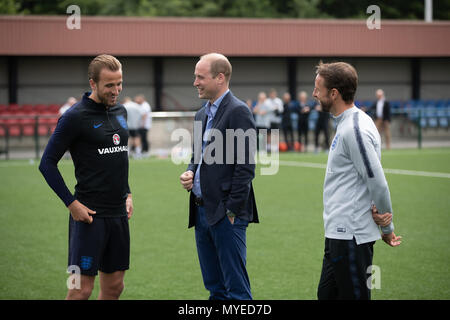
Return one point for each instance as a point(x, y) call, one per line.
point(203, 117)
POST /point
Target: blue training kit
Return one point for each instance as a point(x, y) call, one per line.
point(97, 138)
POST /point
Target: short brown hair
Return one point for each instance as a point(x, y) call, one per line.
point(341, 76)
point(100, 62)
point(219, 64)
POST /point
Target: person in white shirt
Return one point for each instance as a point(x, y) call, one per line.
point(276, 108)
point(262, 118)
point(133, 122)
point(146, 122)
point(70, 102)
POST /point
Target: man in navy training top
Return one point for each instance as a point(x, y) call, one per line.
point(95, 132)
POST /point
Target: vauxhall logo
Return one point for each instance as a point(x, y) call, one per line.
point(116, 141)
point(113, 150)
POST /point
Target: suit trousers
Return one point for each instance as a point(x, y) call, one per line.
point(222, 253)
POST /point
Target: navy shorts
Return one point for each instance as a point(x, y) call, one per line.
point(102, 245)
point(133, 133)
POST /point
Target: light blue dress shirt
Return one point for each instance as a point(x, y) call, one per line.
point(211, 110)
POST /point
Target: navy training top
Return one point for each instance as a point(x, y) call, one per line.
point(97, 138)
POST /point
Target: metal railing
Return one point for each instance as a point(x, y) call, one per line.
point(23, 123)
point(425, 117)
point(43, 125)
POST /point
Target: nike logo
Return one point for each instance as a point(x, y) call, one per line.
point(98, 125)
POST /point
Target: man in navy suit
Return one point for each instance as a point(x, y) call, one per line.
point(381, 110)
point(219, 176)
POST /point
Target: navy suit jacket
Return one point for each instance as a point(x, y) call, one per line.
point(225, 185)
point(386, 110)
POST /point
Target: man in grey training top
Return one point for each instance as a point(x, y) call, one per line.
point(355, 189)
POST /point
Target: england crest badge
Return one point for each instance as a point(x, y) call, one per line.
point(116, 139)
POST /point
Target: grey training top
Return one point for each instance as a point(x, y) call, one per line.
point(354, 180)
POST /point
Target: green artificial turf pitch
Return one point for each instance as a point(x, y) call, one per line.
point(284, 251)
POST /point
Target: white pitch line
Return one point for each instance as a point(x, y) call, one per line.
point(303, 164)
point(283, 163)
point(25, 163)
point(418, 173)
point(8, 164)
point(386, 170)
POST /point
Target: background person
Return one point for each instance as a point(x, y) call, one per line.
point(303, 119)
point(261, 113)
point(275, 111)
point(134, 120)
point(70, 102)
point(145, 124)
point(322, 125)
point(286, 123)
point(381, 110)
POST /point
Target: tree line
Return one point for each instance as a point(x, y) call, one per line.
point(318, 9)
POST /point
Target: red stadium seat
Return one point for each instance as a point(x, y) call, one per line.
point(27, 109)
point(44, 124)
point(40, 108)
point(28, 130)
point(52, 122)
point(27, 119)
point(2, 127)
point(43, 129)
point(3, 108)
point(14, 129)
point(48, 118)
point(11, 124)
point(13, 108)
point(28, 123)
point(54, 108)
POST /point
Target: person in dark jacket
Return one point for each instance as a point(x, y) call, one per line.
point(381, 110)
point(286, 123)
point(219, 178)
point(303, 119)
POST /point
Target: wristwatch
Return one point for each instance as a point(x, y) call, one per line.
point(230, 213)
